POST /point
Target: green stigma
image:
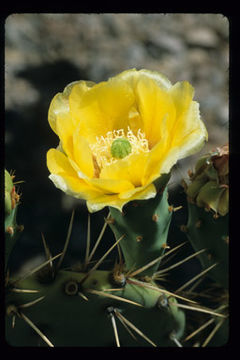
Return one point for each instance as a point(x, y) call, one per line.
point(120, 148)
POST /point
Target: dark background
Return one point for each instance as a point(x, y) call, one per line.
point(45, 52)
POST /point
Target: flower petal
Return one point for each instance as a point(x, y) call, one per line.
point(140, 193)
point(131, 169)
point(102, 108)
point(132, 76)
point(115, 99)
point(73, 187)
point(65, 128)
point(60, 106)
point(110, 186)
point(100, 202)
point(190, 132)
point(186, 141)
point(65, 177)
point(157, 110)
point(182, 94)
point(82, 154)
point(58, 163)
point(76, 96)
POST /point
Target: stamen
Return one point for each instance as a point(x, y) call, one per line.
point(101, 149)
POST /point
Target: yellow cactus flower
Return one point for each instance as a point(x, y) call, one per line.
point(118, 136)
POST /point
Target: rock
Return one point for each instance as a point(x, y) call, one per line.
point(202, 37)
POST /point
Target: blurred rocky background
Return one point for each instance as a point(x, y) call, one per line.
point(45, 52)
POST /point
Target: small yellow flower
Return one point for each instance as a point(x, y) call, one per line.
point(118, 136)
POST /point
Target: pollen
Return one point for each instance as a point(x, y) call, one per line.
point(118, 142)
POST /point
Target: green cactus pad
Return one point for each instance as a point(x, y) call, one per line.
point(145, 224)
point(208, 232)
point(69, 319)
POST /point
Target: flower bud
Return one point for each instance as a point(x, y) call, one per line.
point(209, 184)
point(196, 185)
point(209, 195)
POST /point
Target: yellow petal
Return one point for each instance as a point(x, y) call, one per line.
point(74, 186)
point(60, 106)
point(65, 177)
point(58, 163)
point(182, 94)
point(190, 132)
point(135, 121)
point(76, 96)
point(153, 168)
point(65, 129)
point(132, 76)
point(188, 138)
point(157, 110)
point(140, 193)
point(100, 202)
point(102, 108)
point(82, 154)
point(110, 186)
point(115, 99)
point(131, 169)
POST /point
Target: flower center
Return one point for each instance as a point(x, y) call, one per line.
point(117, 145)
point(121, 148)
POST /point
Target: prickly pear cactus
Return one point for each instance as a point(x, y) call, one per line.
point(118, 141)
point(73, 312)
point(97, 307)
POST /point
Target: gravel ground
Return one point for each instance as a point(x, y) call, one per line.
point(44, 52)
